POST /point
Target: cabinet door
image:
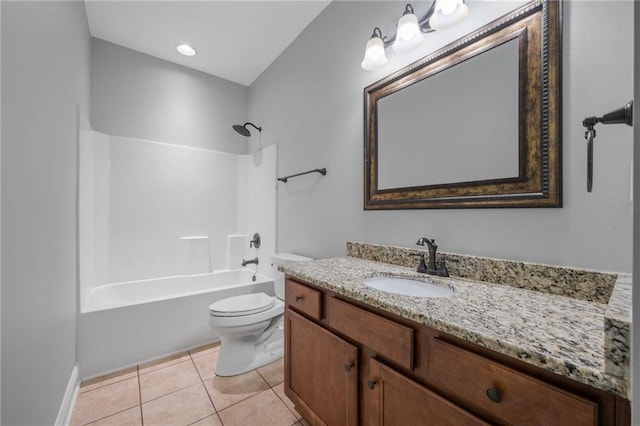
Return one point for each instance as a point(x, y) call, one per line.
point(397, 400)
point(321, 372)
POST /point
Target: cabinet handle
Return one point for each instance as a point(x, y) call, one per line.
point(348, 366)
point(494, 395)
point(371, 384)
point(298, 298)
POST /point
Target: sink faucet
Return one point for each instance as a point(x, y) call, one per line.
point(432, 269)
point(246, 262)
point(433, 248)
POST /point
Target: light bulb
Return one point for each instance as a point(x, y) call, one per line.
point(448, 6)
point(448, 13)
point(374, 56)
point(408, 35)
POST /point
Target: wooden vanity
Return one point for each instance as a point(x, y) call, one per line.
point(348, 362)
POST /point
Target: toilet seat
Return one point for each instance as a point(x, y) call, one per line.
point(246, 304)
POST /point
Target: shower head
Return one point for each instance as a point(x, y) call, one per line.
point(243, 129)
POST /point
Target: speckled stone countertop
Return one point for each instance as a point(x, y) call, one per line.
point(561, 334)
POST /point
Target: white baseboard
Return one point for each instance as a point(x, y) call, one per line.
point(69, 400)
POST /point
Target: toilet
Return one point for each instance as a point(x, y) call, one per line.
point(251, 326)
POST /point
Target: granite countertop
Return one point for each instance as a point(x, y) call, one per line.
point(557, 333)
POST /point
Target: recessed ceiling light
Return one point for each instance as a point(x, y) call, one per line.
point(186, 50)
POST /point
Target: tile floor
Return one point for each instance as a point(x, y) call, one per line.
point(184, 390)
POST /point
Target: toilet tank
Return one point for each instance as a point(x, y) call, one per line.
point(278, 277)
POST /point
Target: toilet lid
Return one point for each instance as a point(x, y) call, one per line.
point(245, 304)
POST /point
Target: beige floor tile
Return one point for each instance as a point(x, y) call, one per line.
point(279, 390)
point(106, 400)
point(130, 417)
point(205, 350)
point(264, 408)
point(213, 420)
point(225, 391)
point(108, 379)
point(150, 366)
point(273, 373)
point(166, 380)
point(206, 365)
point(303, 422)
point(179, 408)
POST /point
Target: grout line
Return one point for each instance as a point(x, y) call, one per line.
point(263, 378)
point(197, 371)
point(106, 384)
point(295, 413)
point(172, 392)
point(163, 367)
point(205, 387)
point(205, 417)
point(109, 415)
point(210, 399)
point(140, 394)
point(204, 353)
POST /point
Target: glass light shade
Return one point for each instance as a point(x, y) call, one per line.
point(448, 13)
point(374, 56)
point(186, 50)
point(408, 35)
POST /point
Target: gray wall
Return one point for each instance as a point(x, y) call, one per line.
point(45, 72)
point(139, 96)
point(0, 211)
point(310, 103)
point(635, 348)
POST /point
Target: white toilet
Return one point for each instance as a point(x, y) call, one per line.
point(251, 326)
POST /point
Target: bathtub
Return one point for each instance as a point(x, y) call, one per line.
point(124, 324)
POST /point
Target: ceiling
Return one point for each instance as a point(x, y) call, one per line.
point(235, 40)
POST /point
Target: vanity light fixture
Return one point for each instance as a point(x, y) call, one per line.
point(442, 14)
point(448, 13)
point(186, 50)
point(408, 34)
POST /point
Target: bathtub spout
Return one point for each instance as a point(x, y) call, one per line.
point(246, 262)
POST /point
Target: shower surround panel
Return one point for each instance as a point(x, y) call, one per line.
point(151, 209)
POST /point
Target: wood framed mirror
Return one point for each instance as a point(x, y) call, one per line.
point(474, 124)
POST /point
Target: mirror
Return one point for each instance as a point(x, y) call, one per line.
point(475, 124)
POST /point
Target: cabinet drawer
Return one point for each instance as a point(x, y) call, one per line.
point(303, 299)
point(388, 338)
point(508, 395)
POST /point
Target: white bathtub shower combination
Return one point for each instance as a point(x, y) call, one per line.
point(145, 281)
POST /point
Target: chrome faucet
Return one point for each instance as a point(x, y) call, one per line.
point(246, 262)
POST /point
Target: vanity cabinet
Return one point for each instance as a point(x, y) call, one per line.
point(514, 397)
point(322, 372)
point(398, 400)
point(350, 363)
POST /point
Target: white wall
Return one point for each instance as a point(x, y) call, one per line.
point(311, 101)
point(45, 72)
point(142, 97)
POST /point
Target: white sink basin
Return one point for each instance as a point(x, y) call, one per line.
point(407, 287)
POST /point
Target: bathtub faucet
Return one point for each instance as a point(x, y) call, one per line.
point(246, 262)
